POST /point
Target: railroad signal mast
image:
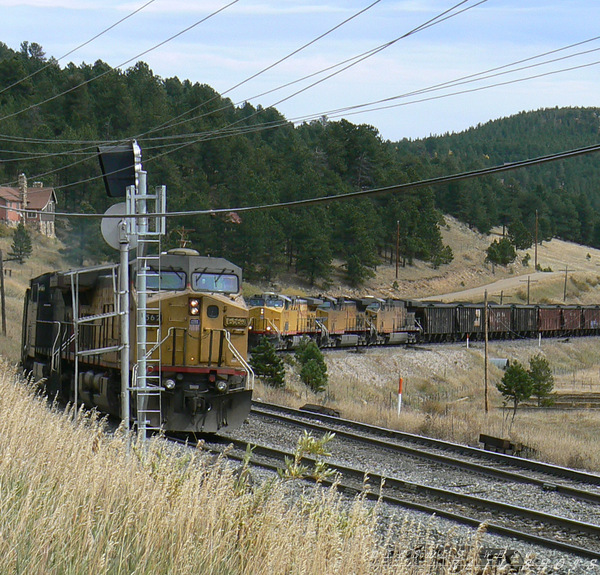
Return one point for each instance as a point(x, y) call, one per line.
point(138, 223)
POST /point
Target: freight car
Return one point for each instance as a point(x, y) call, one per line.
point(329, 321)
point(198, 377)
point(441, 321)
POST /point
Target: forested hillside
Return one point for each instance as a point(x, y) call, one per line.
point(212, 154)
point(566, 193)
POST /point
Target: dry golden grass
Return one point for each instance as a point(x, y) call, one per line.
point(75, 500)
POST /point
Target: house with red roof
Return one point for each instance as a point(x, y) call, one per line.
point(38, 201)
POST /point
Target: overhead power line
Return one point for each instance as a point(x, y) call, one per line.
point(363, 193)
point(446, 14)
point(78, 47)
point(73, 88)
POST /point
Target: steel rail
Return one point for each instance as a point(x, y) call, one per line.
point(478, 468)
point(510, 460)
point(490, 527)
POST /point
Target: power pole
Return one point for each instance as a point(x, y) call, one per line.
point(397, 245)
point(565, 290)
point(485, 369)
point(3, 301)
point(536, 238)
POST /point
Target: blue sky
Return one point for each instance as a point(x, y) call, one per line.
point(253, 34)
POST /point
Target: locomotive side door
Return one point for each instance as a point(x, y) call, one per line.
point(212, 338)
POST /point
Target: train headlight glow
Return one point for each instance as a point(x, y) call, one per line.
point(170, 384)
point(221, 386)
point(194, 306)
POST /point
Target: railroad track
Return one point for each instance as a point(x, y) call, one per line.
point(506, 520)
point(463, 499)
point(432, 449)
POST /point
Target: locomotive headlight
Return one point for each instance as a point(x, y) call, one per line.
point(170, 384)
point(221, 386)
point(194, 306)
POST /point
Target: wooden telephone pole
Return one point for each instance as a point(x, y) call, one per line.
point(485, 369)
point(2, 300)
point(536, 240)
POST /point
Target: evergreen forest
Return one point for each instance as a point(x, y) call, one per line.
point(212, 155)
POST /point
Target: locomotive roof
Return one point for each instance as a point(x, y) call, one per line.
point(198, 263)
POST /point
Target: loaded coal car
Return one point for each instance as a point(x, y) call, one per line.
point(469, 320)
point(524, 320)
point(550, 320)
point(198, 377)
point(590, 320)
point(283, 320)
point(435, 320)
point(499, 321)
point(572, 319)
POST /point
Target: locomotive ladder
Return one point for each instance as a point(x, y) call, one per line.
point(146, 380)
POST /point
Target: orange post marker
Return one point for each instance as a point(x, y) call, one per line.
point(400, 382)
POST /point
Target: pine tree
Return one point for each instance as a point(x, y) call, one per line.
point(542, 378)
point(267, 365)
point(516, 385)
point(21, 247)
point(313, 370)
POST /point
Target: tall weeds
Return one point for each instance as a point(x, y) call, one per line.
point(74, 499)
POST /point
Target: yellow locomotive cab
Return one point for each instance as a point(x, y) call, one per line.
point(196, 328)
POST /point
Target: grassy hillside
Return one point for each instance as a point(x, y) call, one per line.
point(45, 257)
point(469, 270)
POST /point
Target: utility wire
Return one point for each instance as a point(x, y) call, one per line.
point(346, 111)
point(78, 47)
point(349, 63)
point(446, 14)
point(355, 15)
point(171, 123)
point(362, 193)
point(122, 64)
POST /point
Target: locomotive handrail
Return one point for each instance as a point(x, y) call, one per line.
point(240, 358)
point(269, 321)
point(158, 344)
point(55, 351)
point(323, 327)
point(372, 328)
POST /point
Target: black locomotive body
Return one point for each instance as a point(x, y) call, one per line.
point(198, 377)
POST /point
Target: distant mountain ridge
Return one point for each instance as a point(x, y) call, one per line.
point(565, 193)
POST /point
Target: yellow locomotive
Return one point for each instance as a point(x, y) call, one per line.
point(198, 377)
point(329, 321)
point(283, 320)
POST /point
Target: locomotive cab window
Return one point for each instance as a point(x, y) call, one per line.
point(165, 281)
point(215, 282)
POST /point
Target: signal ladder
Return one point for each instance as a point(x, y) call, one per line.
point(146, 377)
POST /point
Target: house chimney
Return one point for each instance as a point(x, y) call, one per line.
point(23, 190)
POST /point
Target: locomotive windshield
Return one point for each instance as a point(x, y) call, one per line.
point(215, 282)
point(266, 301)
point(166, 280)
